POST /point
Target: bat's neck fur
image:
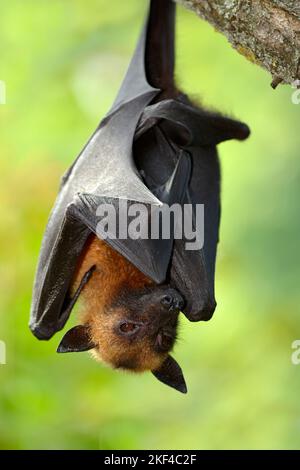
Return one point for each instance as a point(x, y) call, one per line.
point(113, 275)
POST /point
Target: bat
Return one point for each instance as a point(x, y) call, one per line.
point(131, 323)
point(156, 148)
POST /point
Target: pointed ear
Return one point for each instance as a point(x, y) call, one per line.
point(170, 373)
point(76, 340)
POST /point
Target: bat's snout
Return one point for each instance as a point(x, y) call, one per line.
point(172, 300)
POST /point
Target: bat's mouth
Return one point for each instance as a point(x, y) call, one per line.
point(165, 339)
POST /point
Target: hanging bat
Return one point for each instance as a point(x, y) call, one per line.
point(154, 147)
point(131, 323)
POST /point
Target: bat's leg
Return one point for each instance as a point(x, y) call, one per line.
point(159, 54)
point(186, 124)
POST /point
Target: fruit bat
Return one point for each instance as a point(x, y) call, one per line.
point(154, 147)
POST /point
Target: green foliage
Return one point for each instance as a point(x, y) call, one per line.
point(62, 63)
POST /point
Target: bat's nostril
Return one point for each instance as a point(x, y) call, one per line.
point(167, 300)
point(172, 300)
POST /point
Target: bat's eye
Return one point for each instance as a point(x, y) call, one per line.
point(128, 328)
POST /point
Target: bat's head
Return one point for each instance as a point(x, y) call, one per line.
point(146, 318)
point(135, 331)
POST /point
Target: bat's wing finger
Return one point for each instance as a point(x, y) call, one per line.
point(51, 305)
point(192, 126)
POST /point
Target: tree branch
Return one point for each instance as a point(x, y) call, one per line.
point(266, 32)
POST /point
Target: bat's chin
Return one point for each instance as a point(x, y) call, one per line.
point(137, 362)
point(95, 354)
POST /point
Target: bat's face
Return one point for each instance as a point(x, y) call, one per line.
point(135, 332)
point(138, 329)
point(127, 321)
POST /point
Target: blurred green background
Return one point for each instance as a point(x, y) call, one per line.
point(62, 62)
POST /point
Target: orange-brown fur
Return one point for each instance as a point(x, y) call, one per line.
point(113, 274)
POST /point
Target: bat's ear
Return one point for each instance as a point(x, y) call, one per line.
point(76, 340)
point(170, 373)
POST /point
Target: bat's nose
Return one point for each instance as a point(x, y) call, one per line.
point(172, 300)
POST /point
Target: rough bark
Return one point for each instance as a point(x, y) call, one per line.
point(266, 32)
